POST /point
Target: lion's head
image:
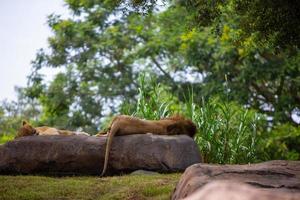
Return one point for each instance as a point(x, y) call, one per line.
point(182, 126)
point(26, 130)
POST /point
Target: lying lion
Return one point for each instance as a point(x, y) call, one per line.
point(27, 130)
point(127, 125)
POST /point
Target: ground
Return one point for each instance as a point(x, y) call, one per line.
point(134, 187)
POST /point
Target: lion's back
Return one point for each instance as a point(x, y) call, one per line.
point(45, 130)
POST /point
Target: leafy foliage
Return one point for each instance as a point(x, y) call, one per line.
point(228, 133)
point(154, 100)
point(272, 21)
point(261, 64)
point(12, 113)
point(102, 48)
point(282, 143)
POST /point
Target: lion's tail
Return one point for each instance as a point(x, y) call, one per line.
point(110, 136)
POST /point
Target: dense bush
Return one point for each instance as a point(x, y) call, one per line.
point(282, 142)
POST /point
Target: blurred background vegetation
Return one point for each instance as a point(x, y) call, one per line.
point(232, 66)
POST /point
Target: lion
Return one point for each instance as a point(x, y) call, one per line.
point(127, 125)
point(28, 130)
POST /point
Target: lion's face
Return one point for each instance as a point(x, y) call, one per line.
point(26, 130)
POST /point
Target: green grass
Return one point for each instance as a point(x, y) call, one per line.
point(119, 187)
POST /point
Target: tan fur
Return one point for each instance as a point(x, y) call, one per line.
point(101, 133)
point(27, 130)
point(127, 125)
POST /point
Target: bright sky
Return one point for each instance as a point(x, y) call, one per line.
point(23, 30)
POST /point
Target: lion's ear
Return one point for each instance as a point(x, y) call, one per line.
point(24, 122)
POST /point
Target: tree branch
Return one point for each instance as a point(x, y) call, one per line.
point(163, 71)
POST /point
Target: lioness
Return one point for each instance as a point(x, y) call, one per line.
point(27, 130)
point(127, 125)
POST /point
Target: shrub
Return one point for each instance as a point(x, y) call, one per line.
point(282, 142)
point(228, 133)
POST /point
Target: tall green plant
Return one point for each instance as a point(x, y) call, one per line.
point(228, 133)
point(154, 100)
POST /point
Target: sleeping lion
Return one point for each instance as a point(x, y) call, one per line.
point(128, 125)
point(27, 130)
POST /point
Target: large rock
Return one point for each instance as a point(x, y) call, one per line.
point(273, 176)
point(228, 190)
point(61, 155)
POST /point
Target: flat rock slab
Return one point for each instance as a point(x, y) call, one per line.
point(84, 155)
point(276, 175)
point(228, 190)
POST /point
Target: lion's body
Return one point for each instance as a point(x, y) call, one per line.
point(127, 125)
point(27, 130)
point(45, 130)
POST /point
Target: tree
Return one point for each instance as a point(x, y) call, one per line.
point(103, 46)
point(13, 112)
point(255, 47)
point(274, 21)
point(263, 38)
point(96, 48)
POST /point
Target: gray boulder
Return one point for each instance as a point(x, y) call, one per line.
point(279, 176)
point(229, 190)
point(71, 155)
